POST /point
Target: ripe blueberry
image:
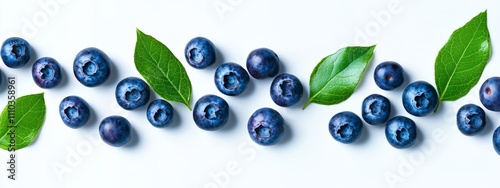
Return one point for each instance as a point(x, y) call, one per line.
point(376, 109)
point(345, 127)
point(470, 119)
point(401, 132)
point(420, 98)
point(286, 90)
point(489, 94)
point(15, 52)
point(388, 75)
point(132, 93)
point(46, 72)
point(263, 63)
point(200, 53)
point(231, 79)
point(115, 131)
point(160, 113)
point(74, 111)
point(496, 140)
point(265, 126)
point(210, 112)
point(91, 67)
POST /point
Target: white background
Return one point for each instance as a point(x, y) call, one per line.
point(301, 33)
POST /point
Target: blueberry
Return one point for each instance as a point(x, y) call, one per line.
point(420, 98)
point(470, 119)
point(389, 75)
point(91, 67)
point(231, 79)
point(132, 93)
point(496, 140)
point(210, 112)
point(74, 111)
point(16, 52)
point(265, 126)
point(376, 109)
point(490, 94)
point(200, 53)
point(46, 72)
point(160, 113)
point(263, 63)
point(401, 132)
point(115, 131)
point(286, 90)
point(345, 127)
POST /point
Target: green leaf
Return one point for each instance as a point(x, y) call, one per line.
point(26, 121)
point(161, 69)
point(336, 76)
point(461, 61)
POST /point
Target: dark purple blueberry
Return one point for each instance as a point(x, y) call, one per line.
point(263, 63)
point(265, 126)
point(46, 72)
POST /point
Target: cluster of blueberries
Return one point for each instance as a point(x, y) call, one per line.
point(91, 68)
point(211, 112)
point(419, 99)
point(265, 126)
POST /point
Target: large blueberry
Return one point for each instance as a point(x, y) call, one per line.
point(74, 111)
point(420, 98)
point(115, 131)
point(471, 119)
point(160, 113)
point(46, 72)
point(496, 140)
point(345, 127)
point(15, 52)
point(231, 79)
point(132, 93)
point(376, 109)
point(286, 90)
point(200, 53)
point(401, 132)
point(210, 112)
point(389, 75)
point(489, 94)
point(263, 63)
point(265, 126)
point(91, 67)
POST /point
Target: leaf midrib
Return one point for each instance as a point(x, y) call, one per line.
point(457, 64)
point(157, 66)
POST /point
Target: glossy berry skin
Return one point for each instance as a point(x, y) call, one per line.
point(265, 126)
point(231, 79)
point(345, 127)
point(401, 132)
point(132, 93)
point(91, 67)
point(376, 109)
point(420, 98)
point(15, 52)
point(263, 63)
point(160, 113)
point(471, 119)
point(496, 140)
point(210, 112)
point(200, 53)
point(46, 72)
point(115, 131)
point(389, 75)
point(74, 111)
point(286, 90)
point(489, 94)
